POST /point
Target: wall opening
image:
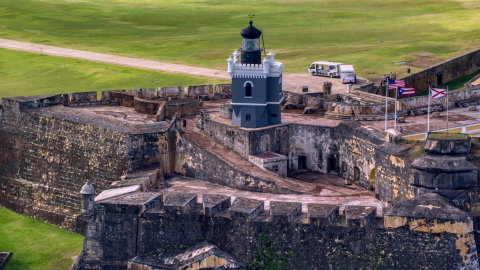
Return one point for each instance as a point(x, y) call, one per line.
point(302, 162)
point(248, 89)
point(372, 179)
point(356, 174)
point(332, 164)
point(439, 79)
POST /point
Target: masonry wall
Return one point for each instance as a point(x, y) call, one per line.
point(393, 174)
point(457, 67)
point(262, 241)
point(455, 96)
point(200, 163)
point(347, 150)
point(45, 161)
point(232, 137)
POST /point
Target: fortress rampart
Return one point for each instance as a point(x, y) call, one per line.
point(155, 230)
point(51, 145)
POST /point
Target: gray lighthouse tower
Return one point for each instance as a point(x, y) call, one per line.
point(256, 84)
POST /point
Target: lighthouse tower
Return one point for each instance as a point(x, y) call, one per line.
point(256, 83)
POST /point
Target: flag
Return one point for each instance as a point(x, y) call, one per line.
point(438, 93)
point(406, 91)
point(392, 84)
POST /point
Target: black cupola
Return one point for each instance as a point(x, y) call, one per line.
point(251, 51)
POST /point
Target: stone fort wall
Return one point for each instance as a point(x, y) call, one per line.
point(282, 236)
point(45, 159)
point(349, 150)
point(449, 70)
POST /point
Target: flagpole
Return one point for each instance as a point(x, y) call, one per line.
point(447, 110)
point(395, 119)
point(386, 103)
point(428, 118)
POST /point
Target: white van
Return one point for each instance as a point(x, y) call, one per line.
point(325, 68)
point(347, 74)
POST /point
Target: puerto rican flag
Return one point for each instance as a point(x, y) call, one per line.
point(438, 93)
point(392, 84)
point(404, 91)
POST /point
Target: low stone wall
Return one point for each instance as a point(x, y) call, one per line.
point(454, 97)
point(184, 106)
point(200, 90)
point(170, 91)
point(368, 88)
point(82, 96)
point(146, 106)
point(123, 98)
point(299, 98)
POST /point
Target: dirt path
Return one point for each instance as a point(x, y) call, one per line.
point(291, 81)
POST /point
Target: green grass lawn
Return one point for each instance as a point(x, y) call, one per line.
point(370, 34)
point(36, 244)
point(24, 74)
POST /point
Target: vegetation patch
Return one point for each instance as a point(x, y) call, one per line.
point(417, 148)
point(447, 136)
point(36, 244)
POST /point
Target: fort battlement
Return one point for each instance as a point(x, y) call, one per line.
point(162, 226)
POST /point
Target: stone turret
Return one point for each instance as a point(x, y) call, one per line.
point(88, 199)
point(443, 169)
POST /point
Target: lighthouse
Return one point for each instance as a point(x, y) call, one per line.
point(256, 83)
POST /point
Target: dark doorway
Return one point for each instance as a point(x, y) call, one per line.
point(302, 162)
point(356, 174)
point(332, 165)
point(439, 79)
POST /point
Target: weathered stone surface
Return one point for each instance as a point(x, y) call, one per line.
point(359, 216)
point(213, 203)
point(429, 206)
point(322, 214)
point(201, 256)
point(445, 180)
point(294, 245)
point(243, 208)
point(180, 203)
point(115, 192)
point(444, 163)
point(447, 146)
point(285, 211)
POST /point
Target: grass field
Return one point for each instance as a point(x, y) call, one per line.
point(370, 34)
point(24, 73)
point(36, 244)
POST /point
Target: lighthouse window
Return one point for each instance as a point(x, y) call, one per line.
point(248, 117)
point(248, 89)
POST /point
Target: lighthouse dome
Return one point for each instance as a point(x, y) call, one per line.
point(251, 32)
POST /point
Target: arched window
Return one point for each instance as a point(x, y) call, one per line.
point(248, 89)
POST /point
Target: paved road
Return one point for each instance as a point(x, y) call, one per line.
point(291, 82)
point(115, 59)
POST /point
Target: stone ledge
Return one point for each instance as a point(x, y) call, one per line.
point(285, 211)
point(322, 214)
point(359, 216)
point(244, 208)
point(180, 203)
point(213, 203)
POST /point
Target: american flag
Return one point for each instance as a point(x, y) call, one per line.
point(392, 84)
